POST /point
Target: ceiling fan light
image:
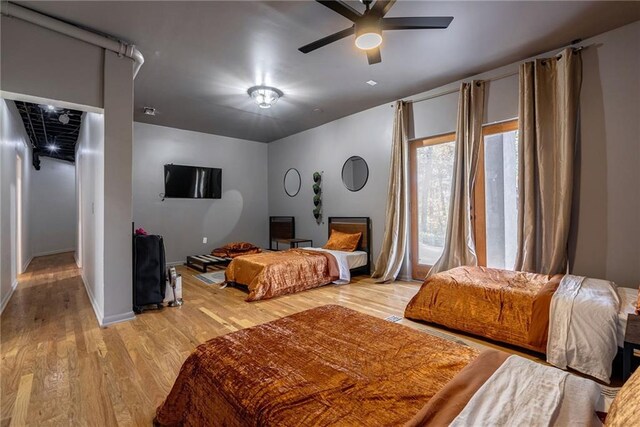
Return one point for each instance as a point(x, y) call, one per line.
point(264, 96)
point(368, 33)
point(368, 41)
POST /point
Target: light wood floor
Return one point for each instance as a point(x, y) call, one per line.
point(60, 368)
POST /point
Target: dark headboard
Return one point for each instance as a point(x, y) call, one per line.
point(355, 224)
point(281, 227)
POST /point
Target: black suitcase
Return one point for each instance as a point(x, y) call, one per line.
point(149, 272)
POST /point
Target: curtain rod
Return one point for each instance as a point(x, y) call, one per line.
point(500, 77)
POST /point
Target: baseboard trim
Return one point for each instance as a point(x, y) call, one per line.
point(54, 252)
point(5, 300)
point(174, 263)
point(102, 320)
point(26, 264)
point(117, 318)
point(96, 309)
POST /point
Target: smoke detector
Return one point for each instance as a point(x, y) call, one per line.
point(149, 111)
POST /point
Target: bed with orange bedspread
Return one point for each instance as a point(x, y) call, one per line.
point(334, 366)
point(304, 367)
point(271, 274)
point(506, 306)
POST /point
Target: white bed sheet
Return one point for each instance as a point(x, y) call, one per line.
point(354, 259)
point(346, 261)
point(628, 298)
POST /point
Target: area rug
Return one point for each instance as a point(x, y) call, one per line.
point(213, 278)
point(398, 319)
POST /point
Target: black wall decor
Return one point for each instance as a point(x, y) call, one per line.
point(317, 197)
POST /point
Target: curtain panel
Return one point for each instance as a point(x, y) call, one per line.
point(459, 244)
point(548, 132)
point(394, 242)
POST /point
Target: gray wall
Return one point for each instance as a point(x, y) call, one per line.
point(607, 235)
point(39, 65)
point(606, 231)
point(42, 63)
point(118, 172)
point(15, 253)
point(325, 149)
point(242, 212)
point(52, 213)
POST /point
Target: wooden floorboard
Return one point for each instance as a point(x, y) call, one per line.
point(58, 367)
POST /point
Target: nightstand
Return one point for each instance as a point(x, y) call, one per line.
point(631, 343)
point(293, 243)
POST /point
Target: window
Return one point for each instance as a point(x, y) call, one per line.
point(495, 211)
point(432, 171)
point(499, 165)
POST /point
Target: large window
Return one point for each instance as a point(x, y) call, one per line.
point(496, 196)
point(495, 204)
point(432, 170)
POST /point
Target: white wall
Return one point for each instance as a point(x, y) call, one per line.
point(52, 213)
point(90, 190)
point(608, 196)
point(15, 252)
point(241, 214)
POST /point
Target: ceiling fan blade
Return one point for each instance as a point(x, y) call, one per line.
point(416, 23)
point(373, 56)
point(341, 8)
point(381, 7)
point(327, 40)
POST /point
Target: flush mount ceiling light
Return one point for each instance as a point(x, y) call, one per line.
point(149, 111)
point(264, 96)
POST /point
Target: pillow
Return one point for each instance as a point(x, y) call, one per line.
point(339, 241)
point(240, 246)
point(625, 409)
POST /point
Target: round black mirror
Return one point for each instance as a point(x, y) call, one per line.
point(292, 182)
point(355, 173)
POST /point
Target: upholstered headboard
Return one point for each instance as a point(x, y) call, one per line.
point(355, 224)
point(281, 227)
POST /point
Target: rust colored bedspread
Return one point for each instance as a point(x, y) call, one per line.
point(325, 366)
point(272, 274)
point(506, 306)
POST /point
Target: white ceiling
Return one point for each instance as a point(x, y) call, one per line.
point(200, 57)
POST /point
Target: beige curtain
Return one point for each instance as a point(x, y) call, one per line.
point(395, 230)
point(459, 247)
point(549, 110)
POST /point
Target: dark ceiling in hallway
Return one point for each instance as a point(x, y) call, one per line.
point(53, 131)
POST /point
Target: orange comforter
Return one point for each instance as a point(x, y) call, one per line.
point(271, 274)
point(325, 366)
point(506, 306)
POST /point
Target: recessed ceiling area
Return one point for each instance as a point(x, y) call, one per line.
point(53, 132)
point(201, 57)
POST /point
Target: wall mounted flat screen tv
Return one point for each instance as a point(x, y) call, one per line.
point(192, 182)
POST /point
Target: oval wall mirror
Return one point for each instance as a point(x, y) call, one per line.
point(292, 182)
point(355, 173)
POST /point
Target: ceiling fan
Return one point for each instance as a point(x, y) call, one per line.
point(369, 25)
